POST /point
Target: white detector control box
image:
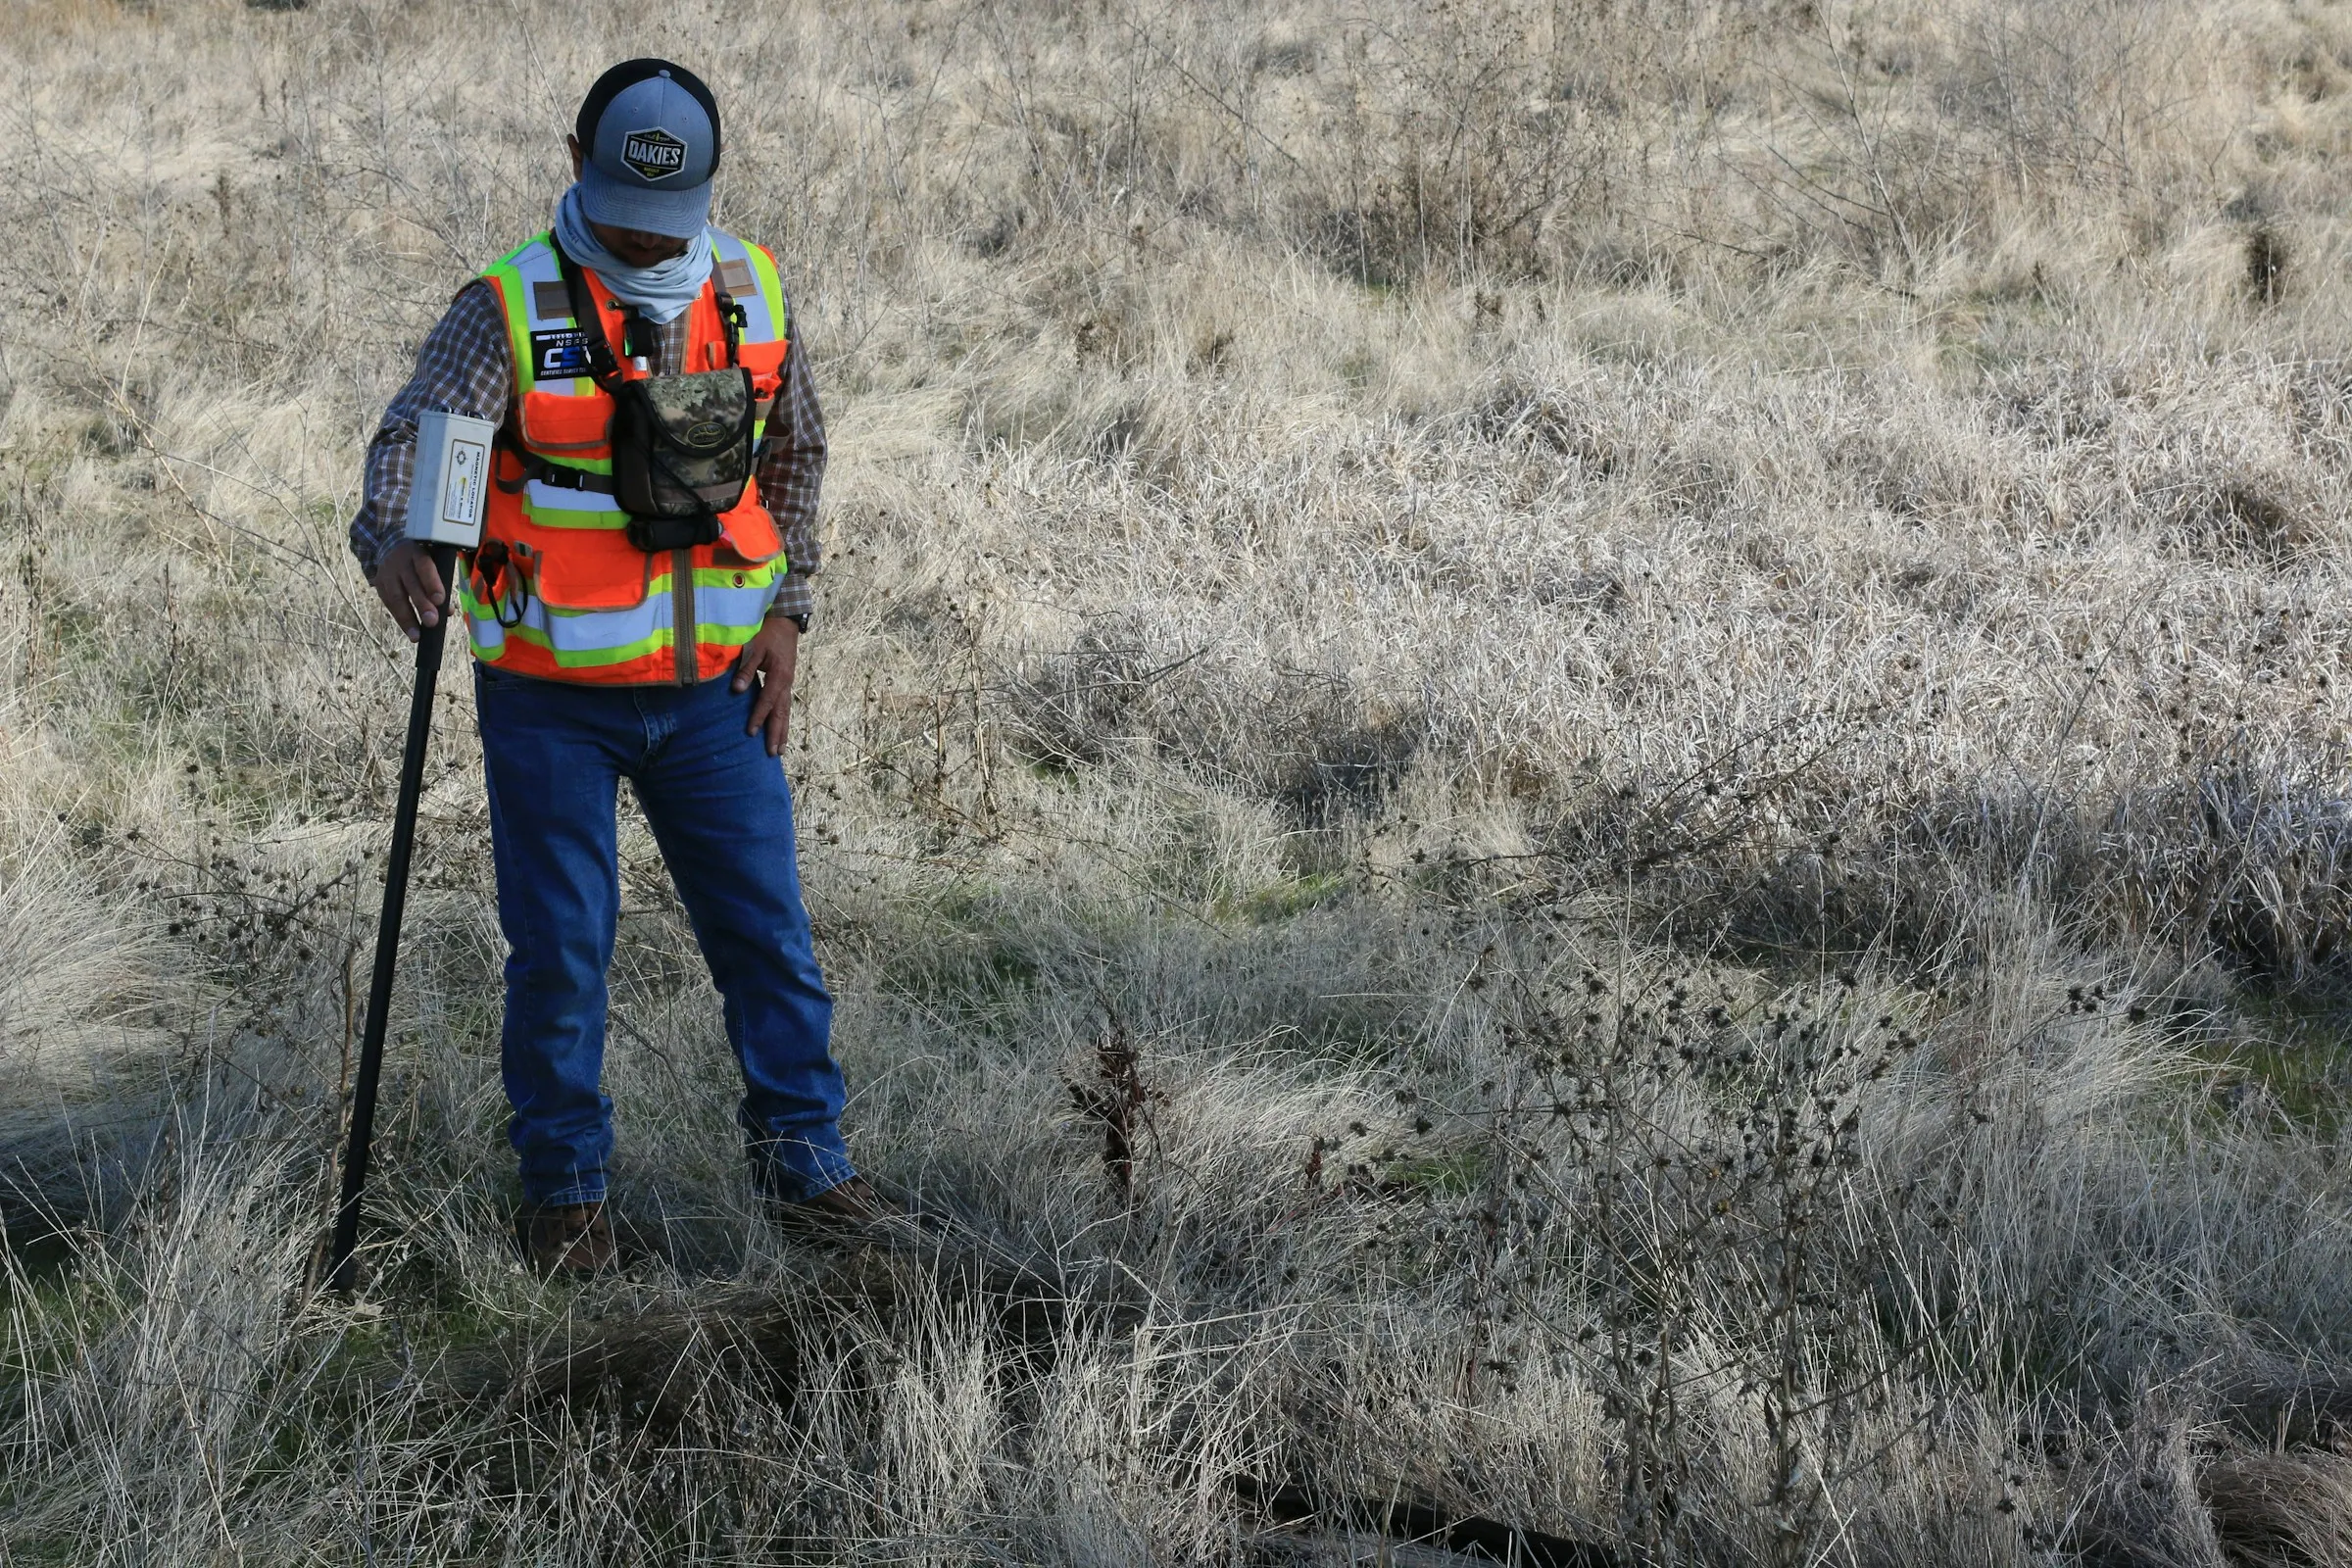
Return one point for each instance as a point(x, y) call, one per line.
point(452, 488)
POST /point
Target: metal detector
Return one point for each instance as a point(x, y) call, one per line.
point(445, 514)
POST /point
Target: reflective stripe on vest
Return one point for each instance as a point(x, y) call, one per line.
point(576, 599)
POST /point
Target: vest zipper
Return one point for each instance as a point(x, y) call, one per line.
point(686, 636)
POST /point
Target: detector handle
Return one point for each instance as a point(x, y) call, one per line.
point(342, 1265)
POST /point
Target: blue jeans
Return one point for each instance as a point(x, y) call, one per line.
point(554, 754)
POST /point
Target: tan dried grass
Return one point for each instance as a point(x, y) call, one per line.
point(1347, 530)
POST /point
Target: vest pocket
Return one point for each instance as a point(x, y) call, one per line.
point(748, 536)
point(587, 569)
point(554, 423)
point(765, 361)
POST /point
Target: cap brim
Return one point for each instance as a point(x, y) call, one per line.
point(678, 214)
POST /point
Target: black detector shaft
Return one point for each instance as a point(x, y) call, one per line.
point(342, 1271)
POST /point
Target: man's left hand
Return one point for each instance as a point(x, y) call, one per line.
point(769, 661)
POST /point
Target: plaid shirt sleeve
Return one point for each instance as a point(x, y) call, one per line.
point(465, 368)
point(792, 471)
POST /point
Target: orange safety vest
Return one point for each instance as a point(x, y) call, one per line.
point(557, 590)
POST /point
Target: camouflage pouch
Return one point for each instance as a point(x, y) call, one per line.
point(682, 452)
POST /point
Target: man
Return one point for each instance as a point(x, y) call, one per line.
point(610, 645)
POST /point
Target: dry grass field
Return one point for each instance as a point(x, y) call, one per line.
point(1594, 753)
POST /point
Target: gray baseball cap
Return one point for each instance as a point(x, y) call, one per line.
point(650, 130)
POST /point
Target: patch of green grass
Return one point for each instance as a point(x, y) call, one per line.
point(962, 950)
point(2297, 1046)
point(61, 1549)
point(1444, 1173)
point(1280, 900)
point(42, 1258)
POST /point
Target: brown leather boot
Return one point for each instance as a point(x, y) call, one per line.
point(574, 1240)
point(878, 1231)
point(851, 1211)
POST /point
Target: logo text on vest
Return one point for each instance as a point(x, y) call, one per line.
point(653, 152)
point(561, 351)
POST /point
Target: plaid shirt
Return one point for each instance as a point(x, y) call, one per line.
point(467, 366)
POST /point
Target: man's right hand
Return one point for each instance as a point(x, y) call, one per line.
point(410, 587)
